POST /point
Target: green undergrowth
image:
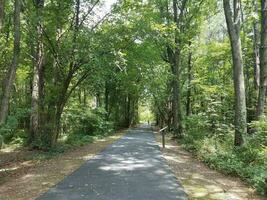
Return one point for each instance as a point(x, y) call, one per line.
point(65, 145)
point(71, 143)
point(80, 126)
point(214, 146)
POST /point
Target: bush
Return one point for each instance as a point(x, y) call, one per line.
point(79, 139)
point(83, 123)
point(194, 133)
point(215, 148)
point(11, 131)
point(8, 129)
point(86, 121)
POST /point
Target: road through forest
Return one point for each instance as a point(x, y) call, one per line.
point(132, 168)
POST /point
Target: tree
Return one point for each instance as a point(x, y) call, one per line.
point(10, 76)
point(189, 79)
point(233, 25)
point(263, 61)
point(176, 69)
point(256, 42)
point(38, 74)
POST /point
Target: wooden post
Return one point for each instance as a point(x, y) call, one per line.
point(162, 131)
point(163, 139)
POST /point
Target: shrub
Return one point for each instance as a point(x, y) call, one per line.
point(11, 130)
point(8, 129)
point(79, 139)
point(82, 123)
point(215, 148)
point(86, 121)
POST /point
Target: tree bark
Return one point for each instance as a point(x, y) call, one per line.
point(98, 100)
point(38, 73)
point(189, 79)
point(176, 104)
point(107, 101)
point(2, 14)
point(233, 25)
point(84, 97)
point(13, 67)
point(175, 82)
point(79, 94)
point(256, 43)
point(128, 111)
point(263, 61)
point(64, 91)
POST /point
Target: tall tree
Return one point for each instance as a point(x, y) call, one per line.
point(256, 42)
point(10, 76)
point(38, 73)
point(263, 60)
point(189, 79)
point(233, 24)
point(74, 66)
point(176, 88)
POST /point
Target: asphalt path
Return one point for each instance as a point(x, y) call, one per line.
point(132, 168)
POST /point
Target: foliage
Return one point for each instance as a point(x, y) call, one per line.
point(86, 121)
point(248, 161)
point(12, 130)
point(8, 129)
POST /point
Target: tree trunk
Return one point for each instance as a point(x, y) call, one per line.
point(107, 101)
point(176, 105)
point(98, 100)
point(64, 92)
point(128, 111)
point(233, 25)
point(84, 97)
point(2, 14)
point(263, 60)
point(13, 67)
point(37, 83)
point(189, 79)
point(79, 94)
point(256, 43)
point(55, 133)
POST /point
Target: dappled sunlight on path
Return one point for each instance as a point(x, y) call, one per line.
point(133, 168)
point(32, 178)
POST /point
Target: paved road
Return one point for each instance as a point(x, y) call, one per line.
point(130, 169)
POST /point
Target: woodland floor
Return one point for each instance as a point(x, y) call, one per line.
point(131, 168)
point(201, 182)
point(22, 178)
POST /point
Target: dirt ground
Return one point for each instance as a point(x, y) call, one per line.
point(27, 180)
point(201, 182)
